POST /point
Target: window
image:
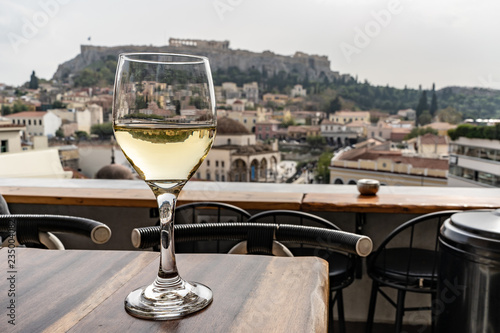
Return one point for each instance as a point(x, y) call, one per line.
point(29, 121)
point(40, 122)
point(222, 163)
point(208, 163)
point(4, 146)
point(24, 121)
point(208, 175)
point(223, 178)
point(216, 163)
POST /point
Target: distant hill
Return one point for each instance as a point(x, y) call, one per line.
point(95, 65)
point(221, 57)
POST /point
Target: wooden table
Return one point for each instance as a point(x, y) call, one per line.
point(84, 291)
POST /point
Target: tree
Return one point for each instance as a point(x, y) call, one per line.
point(419, 131)
point(425, 118)
point(434, 104)
point(449, 115)
point(316, 141)
point(60, 133)
point(33, 81)
point(5, 110)
point(335, 105)
point(58, 105)
point(19, 107)
point(322, 169)
point(87, 78)
point(102, 130)
point(422, 104)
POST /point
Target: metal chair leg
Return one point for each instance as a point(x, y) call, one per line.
point(371, 309)
point(340, 309)
point(400, 310)
point(433, 312)
point(330, 312)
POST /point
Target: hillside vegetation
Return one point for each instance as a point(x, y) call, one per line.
point(453, 104)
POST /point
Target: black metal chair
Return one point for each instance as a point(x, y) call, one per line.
point(342, 265)
point(207, 212)
point(406, 261)
point(34, 230)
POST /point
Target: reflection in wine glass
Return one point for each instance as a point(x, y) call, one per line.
point(164, 120)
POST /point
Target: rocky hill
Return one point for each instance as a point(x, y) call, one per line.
point(314, 67)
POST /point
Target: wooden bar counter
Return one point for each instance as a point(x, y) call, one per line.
point(84, 291)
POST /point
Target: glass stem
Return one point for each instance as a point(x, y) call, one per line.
point(166, 196)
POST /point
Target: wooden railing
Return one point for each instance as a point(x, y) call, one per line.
point(252, 196)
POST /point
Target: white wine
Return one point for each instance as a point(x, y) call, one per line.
point(165, 152)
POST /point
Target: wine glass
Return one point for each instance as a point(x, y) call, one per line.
point(164, 119)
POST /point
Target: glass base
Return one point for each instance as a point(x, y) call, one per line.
point(156, 303)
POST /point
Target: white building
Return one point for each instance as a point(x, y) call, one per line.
point(474, 163)
point(298, 91)
point(337, 134)
point(83, 119)
point(10, 138)
point(251, 91)
point(33, 164)
point(96, 114)
point(37, 123)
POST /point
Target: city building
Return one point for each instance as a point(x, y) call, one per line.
point(298, 91)
point(388, 166)
point(82, 119)
point(336, 134)
point(430, 145)
point(409, 114)
point(474, 163)
point(278, 99)
point(344, 117)
point(267, 129)
point(251, 91)
point(10, 137)
point(37, 123)
point(236, 157)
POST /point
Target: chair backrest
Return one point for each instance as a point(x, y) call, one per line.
point(208, 212)
point(292, 217)
point(304, 219)
point(36, 230)
point(260, 236)
point(408, 257)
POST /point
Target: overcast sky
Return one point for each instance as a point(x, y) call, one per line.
point(394, 42)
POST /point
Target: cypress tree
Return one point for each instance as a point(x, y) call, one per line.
point(434, 104)
point(422, 104)
point(33, 81)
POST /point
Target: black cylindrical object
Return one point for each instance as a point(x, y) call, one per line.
point(468, 294)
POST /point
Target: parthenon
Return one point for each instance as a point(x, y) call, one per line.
point(211, 44)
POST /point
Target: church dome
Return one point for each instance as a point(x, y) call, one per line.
point(114, 171)
point(228, 126)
